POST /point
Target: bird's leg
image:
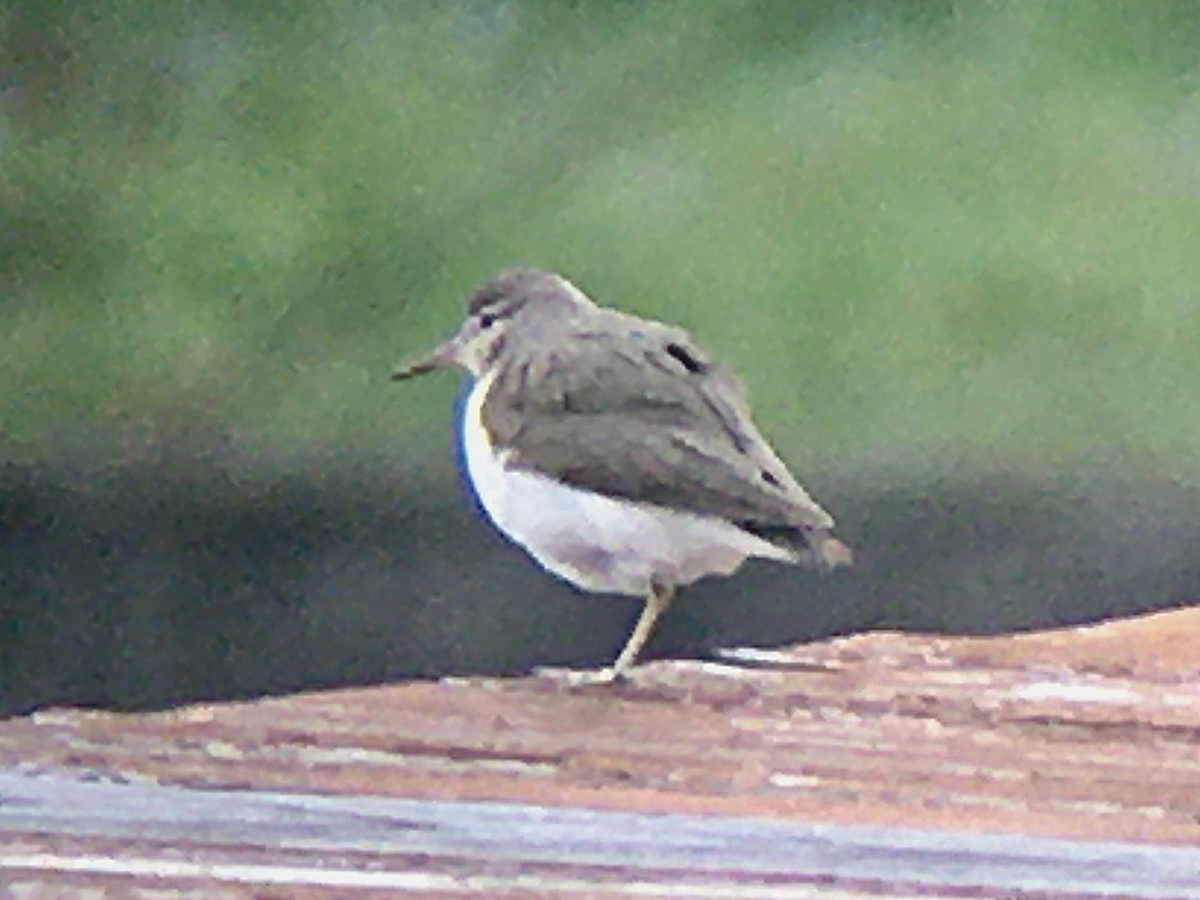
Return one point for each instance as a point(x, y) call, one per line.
point(657, 602)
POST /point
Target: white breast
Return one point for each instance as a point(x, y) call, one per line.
point(595, 542)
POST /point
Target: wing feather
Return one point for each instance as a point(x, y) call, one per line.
point(637, 410)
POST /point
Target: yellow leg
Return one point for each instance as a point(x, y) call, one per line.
point(657, 602)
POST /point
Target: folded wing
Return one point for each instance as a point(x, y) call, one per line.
point(636, 410)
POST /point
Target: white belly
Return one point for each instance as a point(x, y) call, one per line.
point(597, 543)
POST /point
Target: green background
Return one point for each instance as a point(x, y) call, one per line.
point(958, 233)
point(952, 247)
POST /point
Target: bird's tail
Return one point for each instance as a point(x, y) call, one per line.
point(813, 547)
point(828, 552)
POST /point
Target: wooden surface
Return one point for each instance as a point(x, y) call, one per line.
point(1052, 753)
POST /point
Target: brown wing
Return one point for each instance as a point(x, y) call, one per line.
point(636, 410)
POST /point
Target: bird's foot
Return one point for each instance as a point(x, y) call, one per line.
point(581, 677)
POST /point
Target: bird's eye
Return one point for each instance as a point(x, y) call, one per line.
point(487, 320)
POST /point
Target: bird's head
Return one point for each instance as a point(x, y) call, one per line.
point(516, 298)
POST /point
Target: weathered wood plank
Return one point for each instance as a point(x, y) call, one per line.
point(1062, 764)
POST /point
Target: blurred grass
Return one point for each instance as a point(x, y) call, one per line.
point(921, 230)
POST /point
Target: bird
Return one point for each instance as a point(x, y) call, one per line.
point(616, 451)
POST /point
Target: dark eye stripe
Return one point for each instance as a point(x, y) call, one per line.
point(490, 315)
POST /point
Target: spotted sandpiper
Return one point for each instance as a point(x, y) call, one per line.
point(616, 452)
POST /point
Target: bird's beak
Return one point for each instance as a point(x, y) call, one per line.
point(441, 358)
